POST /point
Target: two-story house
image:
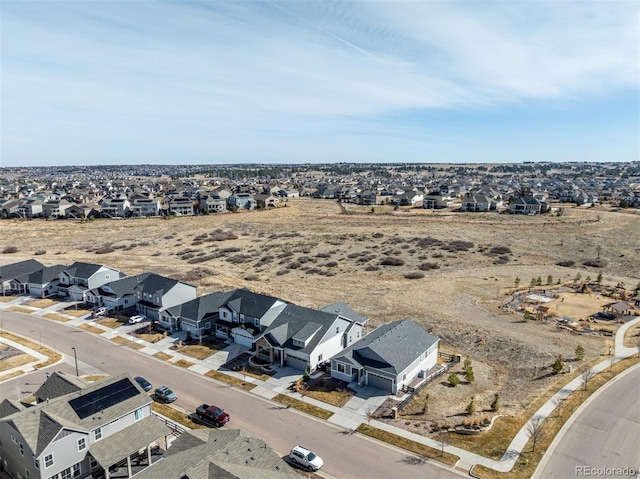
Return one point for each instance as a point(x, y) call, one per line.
point(198, 315)
point(212, 204)
point(80, 277)
point(156, 293)
point(142, 207)
point(91, 432)
point(302, 338)
point(241, 201)
point(44, 282)
point(116, 295)
point(14, 277)
point(181, 206)
point(115, 207)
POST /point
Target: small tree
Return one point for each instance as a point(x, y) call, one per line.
point(495, 404)
point(527, 315)
point(469, 375)
point(557, 366)
point(369, 416)
point(599, 279)
point(453, 379)
point(517, 281)
point(577, 278)
point(471, 407)
point(636, 292)
point(579, 352)
point(557, 402)
point(532, 283)
point(188, 338)
point(538, 281)
point(535, 430)
point(586, 376)
point(549, 279)
point(466, 364)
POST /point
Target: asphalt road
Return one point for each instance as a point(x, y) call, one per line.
point(603, 437)
point(345, 456)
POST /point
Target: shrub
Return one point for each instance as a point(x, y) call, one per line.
point(40, 252)
point(567, 263)
point(220, 235)
point(323, 254)
point(372, 267)
point(428, 266)
point(458, 245)
point(10, 250)
point(391, 261)
point(595, 263)
point(251, 277)
point(414, 275)
point(377, 235)
point(453, 379)
point(495, 404)
point(105, 250)
point(332, 264)
point(499, 250)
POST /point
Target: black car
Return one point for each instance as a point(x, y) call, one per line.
point(144, 384)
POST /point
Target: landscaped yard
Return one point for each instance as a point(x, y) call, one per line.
point(329, 391)
point(113, 323)
point(56, 317)
point(162, 356)
point(233, 381)
point(42, 303)
point(125, 341)
point(52, 356)
point(150, 337)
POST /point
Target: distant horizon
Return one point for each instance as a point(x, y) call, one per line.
point(274, 82)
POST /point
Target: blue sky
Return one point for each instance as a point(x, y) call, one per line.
point(97, 82)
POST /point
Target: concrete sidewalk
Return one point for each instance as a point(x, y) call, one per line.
point(354, 413)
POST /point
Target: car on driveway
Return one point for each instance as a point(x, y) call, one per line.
point(305, 458)
point(138, 318)
point(166, 395)
point(144, 384)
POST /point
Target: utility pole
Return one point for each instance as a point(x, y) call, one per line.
point(75, 356)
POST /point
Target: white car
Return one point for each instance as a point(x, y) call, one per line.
point(138, 318)
point(305, 458)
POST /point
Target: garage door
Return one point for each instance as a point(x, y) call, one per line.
point(241, 336)
point(380, 382)
point(300, 364)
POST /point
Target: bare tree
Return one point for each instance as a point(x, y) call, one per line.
point(370, 414)
point(535, 430)
point(442, 439)
point(587, 376)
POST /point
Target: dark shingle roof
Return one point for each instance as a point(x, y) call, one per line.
point(46, 274)
point(251, 304)
point(344, 310)
point(82, 270)
point(124, 286)
point(391, 347)
point(156, 284)
point(201, 307)
point(59, 384)
point(19, 269)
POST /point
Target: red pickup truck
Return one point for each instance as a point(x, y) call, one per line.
point(212, 414)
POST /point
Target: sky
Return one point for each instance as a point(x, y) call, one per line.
point(219, 82)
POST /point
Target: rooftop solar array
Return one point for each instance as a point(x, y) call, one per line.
point(103, 398)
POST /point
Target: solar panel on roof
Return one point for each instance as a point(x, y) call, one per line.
point(103, 398)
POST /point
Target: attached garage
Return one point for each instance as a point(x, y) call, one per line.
point(380, 382)
point(297, 363)
point(243, 337)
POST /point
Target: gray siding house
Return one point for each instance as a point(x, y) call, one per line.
point(14, 278)
point(156, 293)
point(389, 357)
point(44, 282)
point(79, 278)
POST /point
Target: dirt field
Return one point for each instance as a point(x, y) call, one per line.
point(446, 271)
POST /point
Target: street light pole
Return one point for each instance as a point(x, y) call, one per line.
point(75, 356)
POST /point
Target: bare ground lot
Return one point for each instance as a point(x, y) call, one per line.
point(447, 271)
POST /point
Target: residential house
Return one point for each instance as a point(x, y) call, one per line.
point(14, 277)
point(198, 315)
point(241, 201)
point(55, 208)
point(43, 283)
point(302, 337)
point(142, 207)
point(437, 200)
point(266, 201)
point(212, 204)
point(83, 211)
point(217, 453)
point(79, 278)
point(245, 315)
point(30, 208)
point(156, 293)
point(116, 295)
point(115, 207)
point(181, 206)
point(389, 357)
point(59, 384)
point(528, 205)
point(101, 430)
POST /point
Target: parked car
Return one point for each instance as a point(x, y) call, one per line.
point(99, 312)
point(305, 458)
point(138, 318)
point(166, 395)
point(206, 414)
point(144, 384)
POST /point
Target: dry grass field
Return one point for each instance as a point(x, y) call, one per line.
point(447, 271)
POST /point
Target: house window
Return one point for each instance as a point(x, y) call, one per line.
point(126, 301)
point(207, 325)
point(319, 357)
point(341, 368)
point(350, 339)
point(358, 334)
point(26, 474)
point(48, 460)
point(242, 318)
point(92, 462)
point(97, 434)
point(106, 276)
point(66, 474)
point(13, 438)
point(337, 329)
point(76, 470)
point(138, 414)
point(256, 322)
point(21, 449)
point(82, 444)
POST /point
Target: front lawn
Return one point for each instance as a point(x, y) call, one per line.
point(198, 352)
point(303, 406)
point(231, 380)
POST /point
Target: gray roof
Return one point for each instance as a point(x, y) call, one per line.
point(210, 453)
point(19, 269)
point(84, 270)
point(156, 284)
point(344, 310)
point(59, 384)
point(46, 274)
point(123, 443)
point(251, 304)
point(8, 407)
point(123, 286)
point(390, 348)
point(299, 322)
point(40, 424)
point(201, 307)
